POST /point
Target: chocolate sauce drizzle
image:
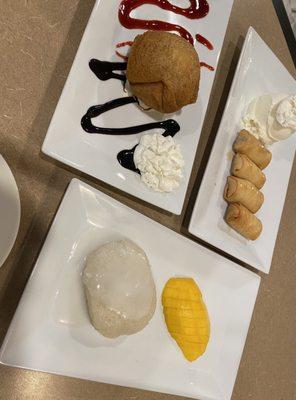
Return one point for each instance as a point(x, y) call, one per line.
point(104, 70)
point(170, 126)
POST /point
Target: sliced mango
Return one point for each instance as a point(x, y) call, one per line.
point(186, 316)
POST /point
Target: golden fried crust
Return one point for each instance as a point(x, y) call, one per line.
point(163, 71)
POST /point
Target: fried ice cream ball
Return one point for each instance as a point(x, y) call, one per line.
point(163, 71)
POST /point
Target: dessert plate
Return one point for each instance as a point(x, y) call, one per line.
point(258, 72)
point(51, 330)
point(96, 154)
point(10, 210)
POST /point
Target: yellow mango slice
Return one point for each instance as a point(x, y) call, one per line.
point(186, 316)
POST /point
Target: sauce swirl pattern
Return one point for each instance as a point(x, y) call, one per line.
point(194, 11)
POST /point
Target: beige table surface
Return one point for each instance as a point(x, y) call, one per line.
point(39, 39)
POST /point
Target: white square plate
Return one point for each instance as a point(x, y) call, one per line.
point(96, 155)
point(258, 72)
point(51, 330)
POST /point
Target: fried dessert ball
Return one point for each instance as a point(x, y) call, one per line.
point(163, 71)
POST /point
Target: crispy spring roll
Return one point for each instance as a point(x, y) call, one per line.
point(243, 221)
point(243, 167)
point(244, 192)
point(247, 144)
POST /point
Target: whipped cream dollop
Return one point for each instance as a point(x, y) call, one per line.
point(160, 162)
point(271, 117)
point(286, 113)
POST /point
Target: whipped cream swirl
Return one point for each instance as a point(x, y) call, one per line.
point(160, 162)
